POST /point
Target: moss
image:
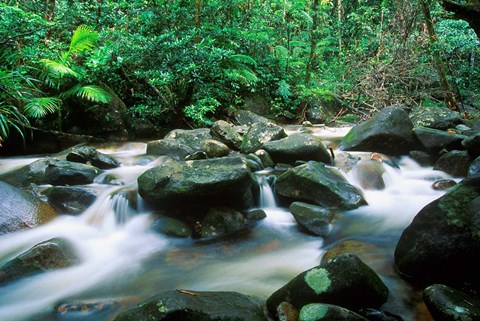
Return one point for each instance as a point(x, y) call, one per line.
point(318, 280)
point(161, 307)
point(313, 312)
point(455, 203)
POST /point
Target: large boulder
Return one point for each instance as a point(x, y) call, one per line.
point(227, 133)
point(20, 210)
point(221, 221)
point(434, 140)
point(435, 117)
point(446, 234)
point(248, 118)
point(49, 255)
point(71, 199)
point(169, 147)
point(455, 163)
point(311, 218)
point(225, 181)
point(305, 147)
point(195, 306)
point(472, 144)
point(213, 148)
point(369, 174)
point(23, 177)
point(260, 133)
point(61, 172)
point(448, 304)
point(89, 155)
point(345, 281)
point(315, 183)
point(327, 312)
point(191, 137)
point(390, 131)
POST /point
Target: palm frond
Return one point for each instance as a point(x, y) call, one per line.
point(89, 92)
point(245, 76)
point(83, 39)
point(242, 59)
point(41, 106)
point(57, 69)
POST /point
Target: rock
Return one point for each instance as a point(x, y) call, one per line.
point(311, 218)
point(369, 174)
point(378, 315)
point(472, 144)
point(474, 168)
point(189, 305)
point(255, 162)
point(143, 128)
point(193, 138)
point(434, 140)
point(171, 227)
point(435, 117)
point(227, 133)
point(345, 281)
point(361, 249)
point(248, 118)
point(60, 172)
point(346, 161)
point(422, 158)
point(260, 133)
point(89, 155)
point(221, 221)
point(214, 148)
point(314, 182)
point(448, 304)
point(86, 311)
point(169, 147)
point(455, 163)
point(444, 233)
point(255, 215)
point(443, 184)
point(287, 312)
point(390, 131)
point(71, 200)
point(327, 312)
point(295, 147)
point(50, 255)
point(20, 210)
point(196, 156)
point(315, 114)
point(225, 181)
point(33, 173)
point(265, 158)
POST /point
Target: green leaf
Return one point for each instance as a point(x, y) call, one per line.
point(242, 59)
point(83, 39)
point(40, 107)
point(89, 92)
point(57, 69)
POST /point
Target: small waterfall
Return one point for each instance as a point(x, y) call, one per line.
point(267, 198)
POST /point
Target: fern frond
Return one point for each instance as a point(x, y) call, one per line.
point(57, 69)
point(89, 92)
point(281, 51)
point(244, 76)
point(83, 39)
point(242, 59)
point(41, 106)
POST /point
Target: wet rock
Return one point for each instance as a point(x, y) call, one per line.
point(171, 227)
point(255, 215)
point(169, 147)
point(311, 218)
point(196, 156)
point(390, 131)
point(455, 163)
point(434, 140)
point(449, 242)
point(361, 249)
point(86, 311)
point(225, 181)
point(345, 281)
point(20, 210)
point(346, 161)
point(443, 184)
point(33, 173)
point(369, 174)
point(422, 158)
point(474, 168)
point(315, 183)
point(89, 155)
point(53, 254)
point(257, 164)
point(315, 114)
point(327, 312)
point(435, 117)
point(260, 133)
point(287, 312)
point(295, 147)
point(59, 172)
point(227, 133)
point(71, 200)
point(472, 145)
point(378, 315)
point(189, 305)
point(214, 148)
point(247, 118)
point(221, 221)
point(448, 304)
point(265, 158)
point(193, 138)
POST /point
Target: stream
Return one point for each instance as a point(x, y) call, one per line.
point(124, 261)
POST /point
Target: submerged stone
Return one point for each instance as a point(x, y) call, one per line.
point(449, 304)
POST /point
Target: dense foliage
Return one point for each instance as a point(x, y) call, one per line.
point(187, 62)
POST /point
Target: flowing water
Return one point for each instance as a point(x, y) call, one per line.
point(124, 261)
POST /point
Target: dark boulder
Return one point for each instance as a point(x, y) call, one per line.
point(446, 234)
point(315, 183)
point(474, 168)
point(472, 144)
point(369, 174)
point(390, 131)
point(421, 157)
point(89, 155)
point(305, 147)
point(435, 117)
point(195, 306)
point(60, 172)
point(434, 140)
point(448, 304)
point(225, 181)
point(213, 148)
point(455, 163)
point(327, 312)
point(221, 221)
point(171, 226)
point(46, 256)
point(191, 137)
point(227, 133)
point(169, 147)
point(311, 218)
point(23, 177)
point(260, 133)
point(345, 281)
point(248, 118)
point(71, 200)
point(20, 210)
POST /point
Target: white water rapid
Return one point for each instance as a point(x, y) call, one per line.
point(123, 260)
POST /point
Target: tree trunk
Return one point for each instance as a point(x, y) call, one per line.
point(198, 6)
point(437, 60)
point(313, 43)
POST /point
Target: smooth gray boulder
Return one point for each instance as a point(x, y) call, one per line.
point(435, 117)
point(169, 147)
point(213, 148)
point(61, 172)
point(191, 137)
point(71, 200)
point(260, 133)
point(227, 133)
point(33, 173)
point(313, 219)
point(454, 162)
point(221, 221)
point(89, 155)
point(434, 140)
